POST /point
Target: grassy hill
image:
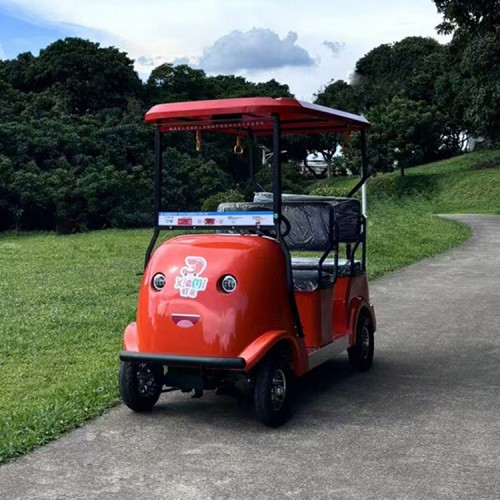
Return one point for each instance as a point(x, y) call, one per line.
point(67, 299)
point(466, 184)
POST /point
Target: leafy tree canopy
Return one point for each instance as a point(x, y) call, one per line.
point(407, 68)
point(477, 17)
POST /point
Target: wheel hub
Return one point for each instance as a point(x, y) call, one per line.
point(365, 342)
point(278, 389)
point(145, 380)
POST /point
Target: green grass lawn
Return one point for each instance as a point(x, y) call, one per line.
point(67, 299)
point(65, 302)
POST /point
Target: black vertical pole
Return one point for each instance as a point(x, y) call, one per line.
point(277, 173)
point(157, 192)
point(158, 172)
point(364, 177)
point(277, 203)
point(251, 157)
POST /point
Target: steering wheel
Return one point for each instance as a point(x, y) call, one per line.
point(288, 226)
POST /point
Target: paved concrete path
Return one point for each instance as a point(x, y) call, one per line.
point(423, 423)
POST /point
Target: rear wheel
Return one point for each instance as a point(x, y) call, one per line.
point(273, 391)
point(140, 385)
point(361, 354)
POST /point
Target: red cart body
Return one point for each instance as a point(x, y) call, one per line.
point(236, 312)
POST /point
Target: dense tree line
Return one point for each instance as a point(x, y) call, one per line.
point(76, 155)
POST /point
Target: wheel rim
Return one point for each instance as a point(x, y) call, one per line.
point(278, 389)
point(365, 341)
point(146, 382)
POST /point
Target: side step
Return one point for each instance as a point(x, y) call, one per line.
point(318, 356)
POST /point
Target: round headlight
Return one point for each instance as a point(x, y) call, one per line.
point(158, 281)
point(228, 283)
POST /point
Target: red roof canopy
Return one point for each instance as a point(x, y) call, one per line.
point(237, 116)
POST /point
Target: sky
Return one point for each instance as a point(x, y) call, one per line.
point(304, 43)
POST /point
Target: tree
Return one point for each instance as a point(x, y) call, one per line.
point(340, 95)
point(15, 72)
point(480, 70)
point(271, 88)
point(407, 68)
point(473, 16)
point(90, 77)
point(476, 46)
point(404, 133)
point(169, 83)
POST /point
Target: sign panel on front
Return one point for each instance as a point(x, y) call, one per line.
point(222, 219)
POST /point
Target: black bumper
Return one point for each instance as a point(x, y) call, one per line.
point(187, 361)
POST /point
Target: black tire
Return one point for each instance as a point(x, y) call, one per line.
point(361, 353)
point(140, 385)
point(273, 391)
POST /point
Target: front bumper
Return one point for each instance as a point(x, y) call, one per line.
point(184, 361)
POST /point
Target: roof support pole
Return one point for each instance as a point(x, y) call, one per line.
point(157, 191)
point(364, 170)
point(277, 203)
point(277, 173)
point(158, 172)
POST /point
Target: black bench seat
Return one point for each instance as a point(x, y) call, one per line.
point(312, 263)
point(306, 277)
point(308, 281)
point(313, 227)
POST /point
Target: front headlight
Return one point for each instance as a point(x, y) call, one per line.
point(228, 283)
point(158, 281)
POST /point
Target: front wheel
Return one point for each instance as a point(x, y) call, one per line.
point(273, 391)
point(140, 385)
point(361, 353)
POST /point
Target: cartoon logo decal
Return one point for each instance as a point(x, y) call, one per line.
point(190, 281)
point(185, 320)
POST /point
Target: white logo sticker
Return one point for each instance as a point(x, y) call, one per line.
point(190, 281)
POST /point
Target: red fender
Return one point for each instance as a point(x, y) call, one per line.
point(356, 306)
point(130, 338)
point(254, 352)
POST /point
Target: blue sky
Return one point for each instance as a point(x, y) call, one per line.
point(17, 35)
point(258, 39)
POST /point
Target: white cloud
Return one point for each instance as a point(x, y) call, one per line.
point(335, 47)
point(2, 54)
point(256, 49)
point(167, 30)
point(148, 61)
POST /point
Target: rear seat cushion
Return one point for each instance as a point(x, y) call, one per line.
point(308, 281)
point(312, 263)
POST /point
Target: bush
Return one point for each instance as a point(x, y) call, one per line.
point(212, 202)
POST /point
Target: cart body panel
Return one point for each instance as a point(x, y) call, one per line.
point(192, 315)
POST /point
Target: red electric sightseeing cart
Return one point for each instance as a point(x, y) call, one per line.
point(233, 310)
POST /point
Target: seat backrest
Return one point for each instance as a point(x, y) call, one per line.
point(311, 222)
point(311, 225)
point(347, 212)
